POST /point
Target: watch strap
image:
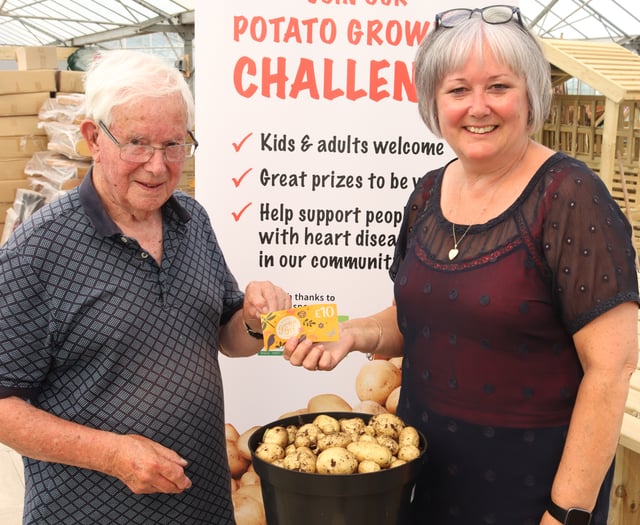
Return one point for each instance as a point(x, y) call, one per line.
point(252, 332)
point(557, 511)
point(572, 516)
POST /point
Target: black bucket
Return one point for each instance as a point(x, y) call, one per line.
point(298, 498)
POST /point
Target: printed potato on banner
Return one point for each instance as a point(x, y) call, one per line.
point(316, 322)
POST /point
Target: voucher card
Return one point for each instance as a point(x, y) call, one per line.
point(317, 322)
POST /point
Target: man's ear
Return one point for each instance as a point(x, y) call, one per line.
point(89, 130)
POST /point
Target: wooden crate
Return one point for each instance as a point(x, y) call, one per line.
point(625, 494)
point(576, 125)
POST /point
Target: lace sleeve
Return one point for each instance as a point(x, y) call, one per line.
point(587, 242)
point(415, 205)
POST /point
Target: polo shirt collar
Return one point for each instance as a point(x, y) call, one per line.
point(97, 213)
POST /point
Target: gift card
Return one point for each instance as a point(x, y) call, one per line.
point(317, 322)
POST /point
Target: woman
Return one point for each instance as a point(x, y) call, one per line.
point(515, 295)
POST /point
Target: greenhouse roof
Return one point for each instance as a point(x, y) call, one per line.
point(76, 23)
point(604, 20)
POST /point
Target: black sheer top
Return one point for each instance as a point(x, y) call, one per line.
point(488, 336)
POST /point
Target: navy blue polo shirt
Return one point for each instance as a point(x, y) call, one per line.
point(94, 331)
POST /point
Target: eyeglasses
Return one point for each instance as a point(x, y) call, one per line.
point(132, 152)
point(493, 14)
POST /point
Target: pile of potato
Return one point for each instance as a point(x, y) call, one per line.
point(246, 491)
point(377, 387)
point(341, 446)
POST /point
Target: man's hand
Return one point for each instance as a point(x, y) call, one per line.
point(147, 467)
point(262, 297)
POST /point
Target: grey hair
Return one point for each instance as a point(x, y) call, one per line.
point(120, 77)
point(447, 49)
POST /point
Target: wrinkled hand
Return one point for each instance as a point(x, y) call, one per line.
point(318, 356)
point(262, 297)
point(147, 467)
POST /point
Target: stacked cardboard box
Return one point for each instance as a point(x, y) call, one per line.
point(70, 81)
point(36, 57)
point(26, 153)
point(187, 181)
point(22, 93)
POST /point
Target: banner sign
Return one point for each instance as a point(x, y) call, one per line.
point(310, 144)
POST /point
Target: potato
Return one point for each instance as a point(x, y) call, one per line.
point(391, 404)
point(253, 491)
point(409, 436)
point(389, 442)
point(249, 478)
point(292, 430)
point(353, 426)
point(243, 442)
point(408, 452)
point(307, 436)
point(278, 435)
point(248, 511)
point(387, 425)
point(337, 439)
point(238, 464)
point(302, 460)
point(364, 450)
point(366, 466)
point(269, 452)
point(327, 424)
point(370, 431)
point(293, 413)
point(307, 451)
point(230, 432)
point(336, 460)
point(369, 407)
point(397, 361)
point(328, 403)
point(397, 463)
point(376, 380)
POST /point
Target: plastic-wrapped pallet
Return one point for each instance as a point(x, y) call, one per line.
point(57, 167)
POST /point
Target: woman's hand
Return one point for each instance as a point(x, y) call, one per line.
point(318, 356)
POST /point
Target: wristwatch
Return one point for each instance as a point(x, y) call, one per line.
point(252, 332)
point(572, 516)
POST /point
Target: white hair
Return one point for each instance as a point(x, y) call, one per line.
point(120, 77)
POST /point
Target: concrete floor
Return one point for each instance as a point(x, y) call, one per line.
point(11, 487)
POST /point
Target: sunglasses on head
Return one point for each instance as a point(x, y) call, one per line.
point(493, 14)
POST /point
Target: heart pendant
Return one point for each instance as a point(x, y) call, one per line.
point(453, 253)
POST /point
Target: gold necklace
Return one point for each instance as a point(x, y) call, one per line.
point(453, 252)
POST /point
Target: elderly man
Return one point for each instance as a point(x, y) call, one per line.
point(114, 303)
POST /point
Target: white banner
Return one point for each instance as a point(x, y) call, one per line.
point(310, 144)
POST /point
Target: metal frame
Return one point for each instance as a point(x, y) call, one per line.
point(612, 20)
point(78, 23)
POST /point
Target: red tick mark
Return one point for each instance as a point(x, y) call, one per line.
point(237, 181)
point(238, 145)
point(236, 216)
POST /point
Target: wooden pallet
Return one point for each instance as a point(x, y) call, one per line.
point(625, 496)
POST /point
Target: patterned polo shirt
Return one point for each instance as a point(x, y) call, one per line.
point(94, 331)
